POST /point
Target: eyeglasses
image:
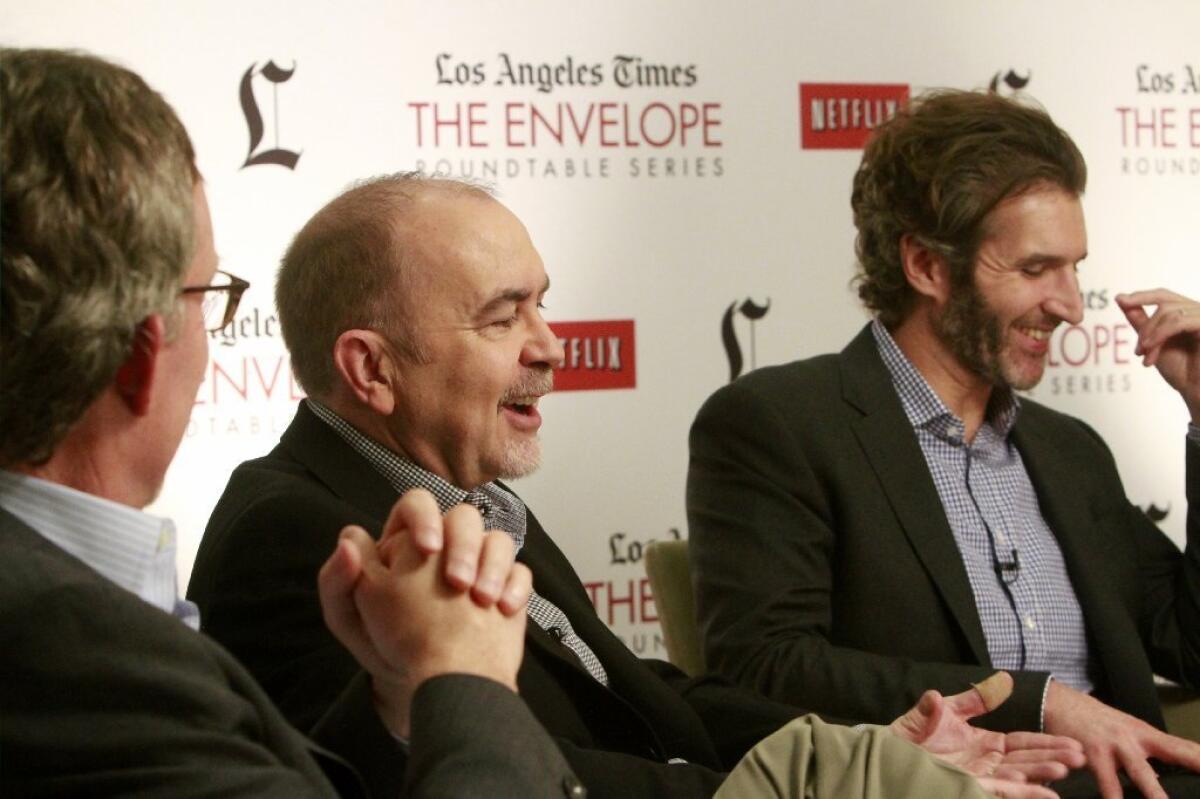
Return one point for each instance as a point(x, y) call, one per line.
point(221, 298)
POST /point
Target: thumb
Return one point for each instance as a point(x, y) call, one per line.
point(336, 582)
point(921, 720)
point(984, 696)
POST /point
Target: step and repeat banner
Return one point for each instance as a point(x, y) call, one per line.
point(684, 169)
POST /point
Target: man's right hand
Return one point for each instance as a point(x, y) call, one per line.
point(1007, 765)
point(436, 595)
point(1114, 741)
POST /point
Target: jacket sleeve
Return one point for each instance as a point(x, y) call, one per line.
point(113, 698)
point(1170, 620)
point(473, 737)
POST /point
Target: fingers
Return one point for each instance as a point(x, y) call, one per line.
point(336, 582)
point(338, 575)
point(1158, 296)
point(1164, 324)
point(1035, 748)
point(495, 563)
point(971, 702)
point(463, 543)
point(1170, 749)
point(472, 560)
point(1013, 789)
point(1015, 741)
point(1041, 769)
point(516, 591)
point(922, 719)
point(1101, 762)
point(1068, 756)
point(1174, 314)
point(416, 514)
point(482, 563)
point(1142, 775)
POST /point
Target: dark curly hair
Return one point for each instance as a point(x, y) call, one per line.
point(935, 171)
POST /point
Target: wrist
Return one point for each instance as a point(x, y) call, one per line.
point(392, 699)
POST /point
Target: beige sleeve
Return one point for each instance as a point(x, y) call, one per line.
point(809, 759)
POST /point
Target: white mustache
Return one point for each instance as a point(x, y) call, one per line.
point(533, 384)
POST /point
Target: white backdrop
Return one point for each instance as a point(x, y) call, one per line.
point(704, 199)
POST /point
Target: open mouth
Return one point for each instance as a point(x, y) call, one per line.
point(522, 411)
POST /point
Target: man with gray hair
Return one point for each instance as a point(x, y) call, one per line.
point(109, 288)
point(412, 310)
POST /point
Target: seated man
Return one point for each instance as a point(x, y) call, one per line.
point(109, 281)
point(867, 525)
point(411, 310)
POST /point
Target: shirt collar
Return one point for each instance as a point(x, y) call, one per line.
point(500, 508)
point(924, 408)
point(133, 549)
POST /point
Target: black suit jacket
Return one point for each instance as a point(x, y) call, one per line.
point(826, 572)
point(104, 695)
point(255, 582)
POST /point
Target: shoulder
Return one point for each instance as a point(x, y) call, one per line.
point(1058, 428)
point(57, 613)
point(787, 383)
point(275, 492)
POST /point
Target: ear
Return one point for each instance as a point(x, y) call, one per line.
point(366, 363)
point(135, 377)
point(926, 271)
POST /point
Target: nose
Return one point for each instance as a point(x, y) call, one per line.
point(542, 348)
point(1064, 300)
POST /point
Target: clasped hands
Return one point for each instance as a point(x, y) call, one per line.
point(435, 595)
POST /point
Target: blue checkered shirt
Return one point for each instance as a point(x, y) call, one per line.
point(1030, 615)
point(501, 510)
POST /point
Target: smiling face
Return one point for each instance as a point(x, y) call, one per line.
point(1024, 285)
point(467, 410)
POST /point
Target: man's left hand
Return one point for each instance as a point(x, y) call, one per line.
point(939, 725)
point(1169, 338)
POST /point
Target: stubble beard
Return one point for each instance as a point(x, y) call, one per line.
point(972, 333)
point(523, 456)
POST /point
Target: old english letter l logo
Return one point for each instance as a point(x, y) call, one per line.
point(733, 350)
point(254, 120)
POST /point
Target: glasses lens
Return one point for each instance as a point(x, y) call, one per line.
point(217, 311)
point(214, 309)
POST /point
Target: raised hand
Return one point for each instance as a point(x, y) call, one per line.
point(1168, 338)
point(435, 596)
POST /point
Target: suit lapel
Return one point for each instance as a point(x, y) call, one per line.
point(887, 440)
point(667, 721)
point(335, 463)
point(554, 580)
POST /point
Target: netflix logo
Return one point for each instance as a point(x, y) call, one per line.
point(840, 116)
point(596, 355)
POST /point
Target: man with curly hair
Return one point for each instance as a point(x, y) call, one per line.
point(868, 524)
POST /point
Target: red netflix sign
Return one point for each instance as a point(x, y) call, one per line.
point(596, 355)
point(840, 116)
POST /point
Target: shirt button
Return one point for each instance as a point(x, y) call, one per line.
point(1030, 622)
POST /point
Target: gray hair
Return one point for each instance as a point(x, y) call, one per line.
point(97, 232)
